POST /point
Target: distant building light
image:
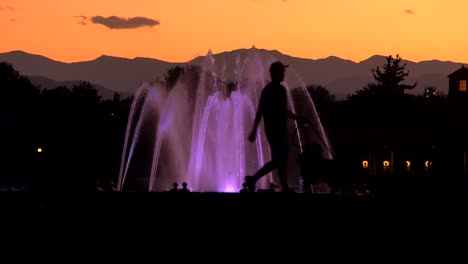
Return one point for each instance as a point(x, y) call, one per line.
point(408, 164)
point(365, 164)
point(386, 163)
point(39, 150)
point(428, 164)
point(462, 85)
point(429, 92)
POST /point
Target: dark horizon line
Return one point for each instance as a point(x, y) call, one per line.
point(273, 50)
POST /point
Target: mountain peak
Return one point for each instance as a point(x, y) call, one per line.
point(108, 57)
point(23, 53)
point(335, 59)
point(19, 55)
point(18, 52)
point(374, 58)
point(331, 57)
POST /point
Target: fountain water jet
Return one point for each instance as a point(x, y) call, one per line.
point(198, 134)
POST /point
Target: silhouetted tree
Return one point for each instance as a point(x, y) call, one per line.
point(86, 93)
point(172, 76)
point(323, 100)
point(385, 98)
point(81, 136)
point(19, 112)
point(191, 79)
point(112, 134)
point(388, 85)
point(14, 84)
point(390, 79)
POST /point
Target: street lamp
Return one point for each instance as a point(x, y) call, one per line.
point(386, 164)
point(365, 164)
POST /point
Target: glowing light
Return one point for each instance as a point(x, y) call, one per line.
point(39, 150)
point(408, 163)
point(386, 163)
point(230, 189)
point(427, 164)
point(365, 164)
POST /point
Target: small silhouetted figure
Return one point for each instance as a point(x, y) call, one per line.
point(244, 188)
point(361, 189)
point(99, 187)
point(111, 186)
point(174, 187)
point(273, 108)
point(184, 188)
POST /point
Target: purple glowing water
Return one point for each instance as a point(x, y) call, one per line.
point(201, 138)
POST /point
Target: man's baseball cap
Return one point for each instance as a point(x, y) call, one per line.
point(278, 65)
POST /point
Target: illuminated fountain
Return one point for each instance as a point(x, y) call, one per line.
point(197, 132)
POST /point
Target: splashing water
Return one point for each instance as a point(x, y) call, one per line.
point(197, 133)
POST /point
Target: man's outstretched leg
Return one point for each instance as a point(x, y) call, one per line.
point(251, 180)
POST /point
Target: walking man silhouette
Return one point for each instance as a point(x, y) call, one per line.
point(273, 108)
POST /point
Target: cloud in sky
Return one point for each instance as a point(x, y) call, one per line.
point(409, 12)
point(12, 8)
point(82, 20)
point(7, 8)
point(115, 22)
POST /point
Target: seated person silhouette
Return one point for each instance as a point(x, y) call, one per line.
point(244, 188)
point(111, 186)
point(174, 187)
point(184, 188)
point(273, 108)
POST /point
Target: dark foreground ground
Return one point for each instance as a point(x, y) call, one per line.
point(387, 227)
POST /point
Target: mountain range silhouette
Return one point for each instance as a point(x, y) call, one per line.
point(114, 74)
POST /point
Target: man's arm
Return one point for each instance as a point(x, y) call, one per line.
point(292, 115)
point(298, 118)
point(258, 117)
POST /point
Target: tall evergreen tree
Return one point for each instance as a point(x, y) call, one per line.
point(392, 75)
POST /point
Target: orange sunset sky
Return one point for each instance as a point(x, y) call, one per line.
point(179, 30)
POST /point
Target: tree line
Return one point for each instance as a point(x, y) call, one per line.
point(59, 139)
point(69, 137)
